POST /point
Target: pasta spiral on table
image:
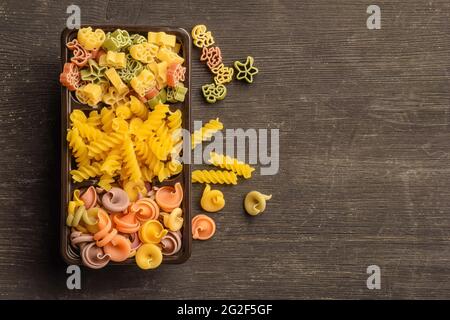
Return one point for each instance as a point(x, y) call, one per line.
point(206, 132)
point(232, 164)
point(214, 176)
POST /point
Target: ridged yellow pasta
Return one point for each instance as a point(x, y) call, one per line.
point(206, 132)
point(112, 163)
point(88, 132)
point(232, 164)
point(79, 148)
point(107, 116)
point(154, 121)
point(138, 108)
point(131, 165)
point(174, 121)
point(214, 176)
point(105, 182)
point(85, 172)
point(104, 144)
point(94, 119)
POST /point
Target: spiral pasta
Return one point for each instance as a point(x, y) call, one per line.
point(85, 172)
point(79, 148)
point(129, 158)
point(206, 132)
point(232, 164)
point(104, 144)
point(214, 176)
point(107, 116)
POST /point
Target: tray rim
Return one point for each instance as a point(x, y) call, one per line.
point(185, 37)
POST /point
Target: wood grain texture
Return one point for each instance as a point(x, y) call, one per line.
point(364, 140)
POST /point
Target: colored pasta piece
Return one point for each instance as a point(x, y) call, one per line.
point(89, 39)
point(94, 73)
point(117, 40)
point(214, 92)
point(206, 132)
point(246, 70)
point(222, 74)
point(212, 56)
point(201, 37)
point(131, 164)
point(143, 82)
point(175, 74)
point(144, 52)
point(86, 172)
point(232, 164)
point(79, 148)
point(70, 77)
point(80, 54)
point(255, 202)
point(214, 176)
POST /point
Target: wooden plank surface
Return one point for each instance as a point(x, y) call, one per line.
point(364, 151)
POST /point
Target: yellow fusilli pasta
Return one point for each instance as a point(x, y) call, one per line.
point(214, 176)
point(206, 132)
point(232, 164)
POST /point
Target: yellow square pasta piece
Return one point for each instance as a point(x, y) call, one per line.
point(114, 78)
point(162, 39)
point(144, 52)
point(93, 93)
point(144, 81)
point(168, 56)
point(116, 59)
point(102, 61)
point(160, 72)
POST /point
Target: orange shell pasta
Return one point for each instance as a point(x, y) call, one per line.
point(126, 222)
point(106, 233)
point(203, 227)
point(118, 248)
point(169, 198)
point(145, 209)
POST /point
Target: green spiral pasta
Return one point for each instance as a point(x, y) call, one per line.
point(232, 164)
point(85, 172)
point(214, 176)
point(206, 132)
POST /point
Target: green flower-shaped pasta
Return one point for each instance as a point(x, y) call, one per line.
point(137, 38)
point(94, 73)
point(214, 92)
point(246, 70)
point(117, 40)
point(132, 69)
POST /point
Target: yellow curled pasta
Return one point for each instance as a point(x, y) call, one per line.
point(174, 220)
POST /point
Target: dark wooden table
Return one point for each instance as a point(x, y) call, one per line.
point(364, 151)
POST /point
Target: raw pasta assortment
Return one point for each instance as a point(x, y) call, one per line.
point(228, 169)
point(127, 195)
